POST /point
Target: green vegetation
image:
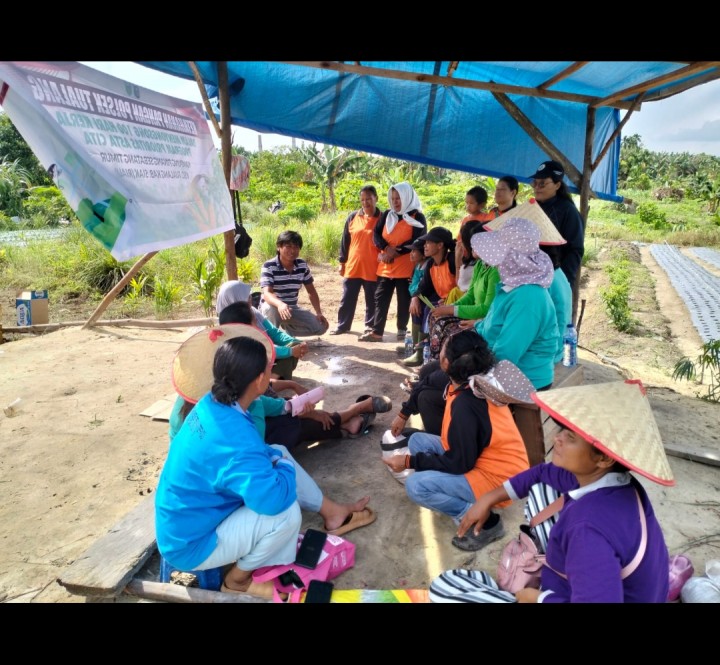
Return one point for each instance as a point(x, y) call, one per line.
point(166, 295)
point(668, 197)
point(208, 276)
point(616, 295)
point(707, 362)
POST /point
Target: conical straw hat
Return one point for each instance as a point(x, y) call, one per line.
point(531, 210)
point(617, 419)
point(192, 368)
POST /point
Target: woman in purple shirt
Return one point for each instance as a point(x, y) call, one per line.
point(599, 549)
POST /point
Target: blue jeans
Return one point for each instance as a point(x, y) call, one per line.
point(446, 493)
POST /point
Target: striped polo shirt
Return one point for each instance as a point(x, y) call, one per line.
point(286, 285)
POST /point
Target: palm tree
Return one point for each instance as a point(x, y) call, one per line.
point(328, 166)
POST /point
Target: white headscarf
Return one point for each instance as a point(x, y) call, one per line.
point(231, 292)
point(234, 291)
point(409, 201)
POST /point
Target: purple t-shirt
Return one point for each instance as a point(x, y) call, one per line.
point(597, 533)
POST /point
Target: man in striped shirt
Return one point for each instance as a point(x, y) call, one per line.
point(281, 279)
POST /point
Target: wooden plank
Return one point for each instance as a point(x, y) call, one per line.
point(704, 455)
point(177, 593)
point(161, 409)
point(109, 564)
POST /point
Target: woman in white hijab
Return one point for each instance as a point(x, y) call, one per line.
point(395, 232)
point(288, 349)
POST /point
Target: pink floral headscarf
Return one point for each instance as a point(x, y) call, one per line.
point(515, 250)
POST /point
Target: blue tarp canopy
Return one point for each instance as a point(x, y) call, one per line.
point(490, 118)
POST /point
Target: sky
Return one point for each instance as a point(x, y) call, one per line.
point(688, 122)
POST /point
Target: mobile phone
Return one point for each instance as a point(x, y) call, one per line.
point(311, 548)
point(319, 592)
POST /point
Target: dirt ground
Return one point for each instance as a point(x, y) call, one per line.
point(76, 456)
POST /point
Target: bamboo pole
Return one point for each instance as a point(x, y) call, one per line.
point(121, 323)
point(117, 288)
point(177, 593)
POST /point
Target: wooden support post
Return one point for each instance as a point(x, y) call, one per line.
point(117, 288)
point(226, 146)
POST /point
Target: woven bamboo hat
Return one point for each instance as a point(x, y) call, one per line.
point(617, 419)
point(192, 368)
point(503, 384)
point(549, 235)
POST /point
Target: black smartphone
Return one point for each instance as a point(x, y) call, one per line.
point(319, 592)
point(310, 548)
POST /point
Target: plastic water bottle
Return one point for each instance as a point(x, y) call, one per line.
point(409, 350)
point(426, 352)
point(570, 340)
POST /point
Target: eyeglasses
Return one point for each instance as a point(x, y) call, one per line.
point(539, 184)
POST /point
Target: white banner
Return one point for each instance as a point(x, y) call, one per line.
point(139, 168)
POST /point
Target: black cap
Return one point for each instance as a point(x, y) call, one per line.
point(550, 169)
point(438, 234)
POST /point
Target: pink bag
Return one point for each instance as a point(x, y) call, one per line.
point(520, 563)
point(681, 570)
point(338, 555)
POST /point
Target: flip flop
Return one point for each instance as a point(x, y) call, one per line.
point(367, 420)
point(257, 589)
point(380, 403)
point(355, 521)
point(370, 337)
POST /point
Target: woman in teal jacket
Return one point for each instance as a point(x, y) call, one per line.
point(521, 324)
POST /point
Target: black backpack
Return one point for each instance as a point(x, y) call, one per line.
point(243, 241)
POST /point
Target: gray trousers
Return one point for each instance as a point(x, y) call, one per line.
point(303, 322)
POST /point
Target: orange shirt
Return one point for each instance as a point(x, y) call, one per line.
point(402, 266)
point(480, 217)
point(505, 455)
point(362, 261)
point(443, 280)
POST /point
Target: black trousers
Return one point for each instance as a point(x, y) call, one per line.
point(348, 303)
point(431, 401)
point(290, 431)
point(383, 296)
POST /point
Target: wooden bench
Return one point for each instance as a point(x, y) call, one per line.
point(535, 426)
point(109, 564)
point(108, 568)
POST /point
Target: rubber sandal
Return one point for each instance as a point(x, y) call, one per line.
point(380, 403)
point(257, 589)
point(355, 521)
point(370, 337)
point(367, 420)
